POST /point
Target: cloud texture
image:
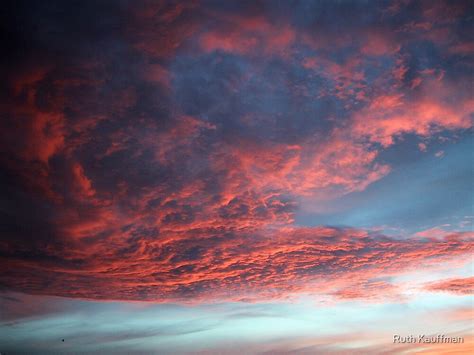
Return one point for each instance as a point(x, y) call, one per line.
point(160, 150)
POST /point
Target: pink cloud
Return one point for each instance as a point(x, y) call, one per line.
point(247, 36)
point(140, 199)
point(464, 286)
point(259, 265)
point(388, 117)
point(378, 44)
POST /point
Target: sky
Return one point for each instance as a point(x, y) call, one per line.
point(236, 177)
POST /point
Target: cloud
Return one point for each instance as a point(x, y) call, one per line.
point(219, 265)
point(248, 35)
point(389, 117)
point(464, 286)
point(166, 147)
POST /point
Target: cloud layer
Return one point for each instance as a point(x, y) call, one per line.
point(161, 152)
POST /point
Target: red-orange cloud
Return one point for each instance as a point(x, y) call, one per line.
point(210, 265)
point(160, 153)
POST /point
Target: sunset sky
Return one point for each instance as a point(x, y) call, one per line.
point(236, 177)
